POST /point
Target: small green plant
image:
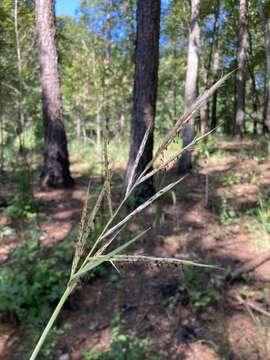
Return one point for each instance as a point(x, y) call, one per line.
point(215, 157)
point(207, 146)
point(124, 347)
point(260, 150)
point(23, 203)
point(262, 212)
point(6, 231)
point(201, 289)
point(231, 178)
point(228, 214)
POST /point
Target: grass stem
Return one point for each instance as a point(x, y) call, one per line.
point(51, 322)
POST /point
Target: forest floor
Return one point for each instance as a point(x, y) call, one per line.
point(218, 215)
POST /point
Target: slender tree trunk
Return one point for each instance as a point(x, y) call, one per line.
point(144, 91)
point(107, 33)
point(265, 100)
point(20, 114)
point(78, 127)
point(191, 81)
point(255, 103)
point(2, 143)
point(175, 80)
point(254, 90)
point(203, 109)
point(98, 131)
point(56, 160)
point(120, 127)
point(266, 30)
point(216, 65)
point(240, 81)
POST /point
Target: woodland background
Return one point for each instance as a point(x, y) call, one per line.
point(110, 62)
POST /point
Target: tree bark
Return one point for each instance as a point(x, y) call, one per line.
point(20, 114)
point(240, 80)
point(55, 171)
point(254, 91)
point(266, 32)
point(216, 65)
point(191, 82)
point(210, 65)
point(144, 91)
point(2, 143)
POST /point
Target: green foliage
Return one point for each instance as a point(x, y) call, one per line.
point(206, 146)
point(29, 283)
point(116, 280)
point(23, 203)
point(228, 214)
point(6, 231)
point(262, 212)
point(123, 347)
point(202, 289)
point(260, 149)
point(231, 178)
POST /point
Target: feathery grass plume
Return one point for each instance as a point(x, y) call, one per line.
point(174, 157)
point(159, 260)
point(88, 218)
point(98, 260)
point(138, 157)
point(140, 208)
point(96, 255)
point(185, 118)
point(80, 241)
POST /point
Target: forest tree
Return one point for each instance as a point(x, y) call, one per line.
point(55, 171)
point(144, 91)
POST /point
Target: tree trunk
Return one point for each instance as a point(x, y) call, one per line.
point(56, 161)
point(254, 91)
point(203, 109)
point(144, 91)
point(191, 81)
point(2, 143)
point(240, 80)
point(20, 114)
point(216, 65)
point(266, 31)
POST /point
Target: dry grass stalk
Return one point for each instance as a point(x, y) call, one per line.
point(137, 160)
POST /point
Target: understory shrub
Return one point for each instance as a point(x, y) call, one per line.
point(30, 282)
point(201, 289)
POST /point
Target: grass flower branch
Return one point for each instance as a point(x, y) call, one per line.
point(85, 262)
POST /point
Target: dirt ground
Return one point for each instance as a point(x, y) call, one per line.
point(209, 220)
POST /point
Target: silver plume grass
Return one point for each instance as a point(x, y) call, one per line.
point(113, 228)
